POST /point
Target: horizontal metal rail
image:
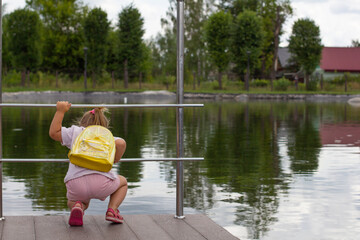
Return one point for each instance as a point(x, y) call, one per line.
point(122, 160)
point(101, 105)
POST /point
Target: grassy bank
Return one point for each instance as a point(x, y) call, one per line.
point(134, 87)
point(48, 82)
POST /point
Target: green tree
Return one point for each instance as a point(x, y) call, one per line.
point(235, 7)
point(112, 63)
point(355, 43)
point(247, 41)
point(131, 31)
point(305, 45)
point(155, 58)
point(195, 15)
point(217, 32)
point(274, 14)
point(304, 141)
point(96, 30)
point(112, 50)
point(164, 53)
point(63, 34)
point(6, 54)
point(146, 64)
point(24, 34)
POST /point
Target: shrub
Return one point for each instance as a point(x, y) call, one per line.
point(301, 86)
point(168, 80)
point(259, 83)
point(312, 85)
point(338, 80)
point(42, 79)
point(354, 85)
point(354, 78)
point(232, 85)
point(329, 86)
point(37, 78)
point(105, 77)
point(12, 78)
point(240, 84)
point(281, 84)
point(215, 85)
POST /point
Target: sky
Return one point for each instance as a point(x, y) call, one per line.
point(339, 20)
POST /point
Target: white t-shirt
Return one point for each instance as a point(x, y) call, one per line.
point(68, 136)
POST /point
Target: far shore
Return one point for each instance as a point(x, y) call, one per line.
point(158, 96)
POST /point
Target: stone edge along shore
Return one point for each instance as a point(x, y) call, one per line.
point(26, 95)
point(240, 97)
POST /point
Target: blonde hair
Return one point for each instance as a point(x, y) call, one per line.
point(94, 117)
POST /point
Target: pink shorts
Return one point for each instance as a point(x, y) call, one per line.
point(92, 186)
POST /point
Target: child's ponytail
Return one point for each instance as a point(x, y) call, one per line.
point(95, 117)
point(99, 117)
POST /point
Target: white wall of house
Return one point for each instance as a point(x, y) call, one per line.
point(328, 76)
point(332, 75)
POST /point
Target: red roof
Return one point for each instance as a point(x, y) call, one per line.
point(341, 59)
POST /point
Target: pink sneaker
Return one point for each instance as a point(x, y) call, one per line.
point(116, 218)
point(76, 215)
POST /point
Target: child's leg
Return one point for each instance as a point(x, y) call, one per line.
point(119, 195)
point(77, 190)
point(76, 214)
point(71, 204)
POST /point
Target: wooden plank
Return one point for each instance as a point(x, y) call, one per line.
point(146, 228)
point(208, 228)
point(140, 227)
point(89, 231)
point(51, 227)
point(19, 228)
point(114, 231)
point(177, 228)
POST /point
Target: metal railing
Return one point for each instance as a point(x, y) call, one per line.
point(179, 114)
point(101, 105)
point(122, 160)
point(178, 159)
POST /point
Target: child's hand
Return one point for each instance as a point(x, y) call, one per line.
point(63, 106)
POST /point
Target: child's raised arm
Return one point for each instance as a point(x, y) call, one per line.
point(56, 124)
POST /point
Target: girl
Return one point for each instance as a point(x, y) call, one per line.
point(83, 184)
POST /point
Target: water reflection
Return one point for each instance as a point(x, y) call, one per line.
point(340, 134)
point(304, 140)
point(255, 154)
point(242, 155)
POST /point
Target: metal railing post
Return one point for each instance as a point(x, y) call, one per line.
point(179, 112)
point(1, 150)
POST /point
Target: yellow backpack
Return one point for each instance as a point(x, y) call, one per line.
point(94, 149)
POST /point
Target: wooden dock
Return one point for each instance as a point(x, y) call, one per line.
point(137, 227)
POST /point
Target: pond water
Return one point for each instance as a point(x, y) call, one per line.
point(272, 170)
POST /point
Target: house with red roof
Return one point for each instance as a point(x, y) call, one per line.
point(336, 61)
